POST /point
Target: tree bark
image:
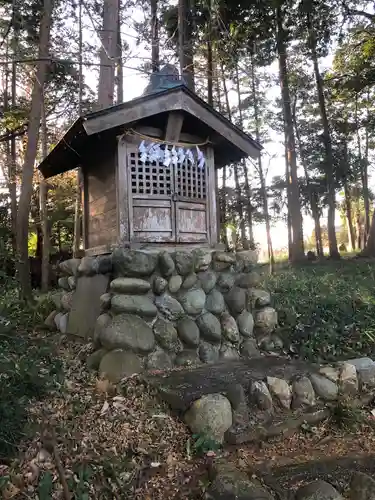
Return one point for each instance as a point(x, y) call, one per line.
point(108, 54)
point(288, 197)
point(155, 47)
point(119, 64)
point(363, 170)
point(298, 253)
point(311, 194)
point(349, 216)
point(185, 42)
point(12, 168)
point(263, 187)
point(222, 198)
point(77, 205)
point(43, 195)
point(30, 154)
point(369, 250)
point(332, 240)
point(210, 66)
point(235, 166)
point(249, 208)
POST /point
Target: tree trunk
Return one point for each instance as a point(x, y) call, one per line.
point(12, 167)
point(363, 170)
point(317, 227)
point(185, 41)
point(369, 250)
point(288, 197)
point(249, 207)
point(222, 198)
point(311, 194)
point(210, 66)
point(43, 196)
point(30, 155)
point(119, 64)
point(263, 187)
point(108, 53)
point(155, 57)
point(333, 250)
point(77, 205)
point(298, 253)
point(235, 166)
point(349, 216)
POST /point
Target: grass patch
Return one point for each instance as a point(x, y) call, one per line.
point(327, 310)
point(28, 367)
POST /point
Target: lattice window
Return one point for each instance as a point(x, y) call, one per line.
point(190, 180)
point(150, 177)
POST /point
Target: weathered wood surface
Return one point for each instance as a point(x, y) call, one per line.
point(178, 100)
point(180, 388)
point(134, 111)
point(101, 199)
point(174, 126)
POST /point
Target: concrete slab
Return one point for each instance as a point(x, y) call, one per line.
point(86, 305)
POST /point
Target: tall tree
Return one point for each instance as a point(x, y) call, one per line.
point(155, 44)
point(108, 53)
point(329, 163)
point(186, 42)
point(295, 208)
point(31, 151)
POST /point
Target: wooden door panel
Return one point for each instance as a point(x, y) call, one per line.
point(152, 220)
point(191, 222)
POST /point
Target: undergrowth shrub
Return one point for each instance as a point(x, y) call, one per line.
point(28, 366)
point(327, 310)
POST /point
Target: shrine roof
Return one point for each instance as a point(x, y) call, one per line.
point(229, 142)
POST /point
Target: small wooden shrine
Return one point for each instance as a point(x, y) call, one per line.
point(149, 168)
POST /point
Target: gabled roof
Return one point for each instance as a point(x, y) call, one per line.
point(229, 142)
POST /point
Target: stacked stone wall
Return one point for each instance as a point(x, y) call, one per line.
point(163, 310)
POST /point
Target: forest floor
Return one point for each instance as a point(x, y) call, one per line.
point(59, 421)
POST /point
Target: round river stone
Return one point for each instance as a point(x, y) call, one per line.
point(210, 327)
point(128, 332)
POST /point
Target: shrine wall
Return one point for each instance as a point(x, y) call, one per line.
point(161, 310)
point(100, 179)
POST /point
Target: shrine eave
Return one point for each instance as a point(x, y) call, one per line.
point(230, 143)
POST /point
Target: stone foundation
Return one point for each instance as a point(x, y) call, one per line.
point(161, 310)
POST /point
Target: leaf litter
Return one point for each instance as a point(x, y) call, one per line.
point(107, 442)
point(112, 442)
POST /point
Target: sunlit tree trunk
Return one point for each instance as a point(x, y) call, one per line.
point(263, 187)
point(333, 250)
point(312, 195)
point(108, 53)
point(248, 205)
point(77, 205)
point(298, 253)
point(12, 166)
point(43, 195)
point(119, 64)
point(30, 155)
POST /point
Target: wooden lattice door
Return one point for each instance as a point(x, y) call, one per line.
point(151, 210)
point(167, 203)
point(191, 202)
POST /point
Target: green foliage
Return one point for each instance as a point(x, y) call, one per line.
point(79, 483)
point(202, 444)
point(346, 416)
point(332, 305)
point(45, 486)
